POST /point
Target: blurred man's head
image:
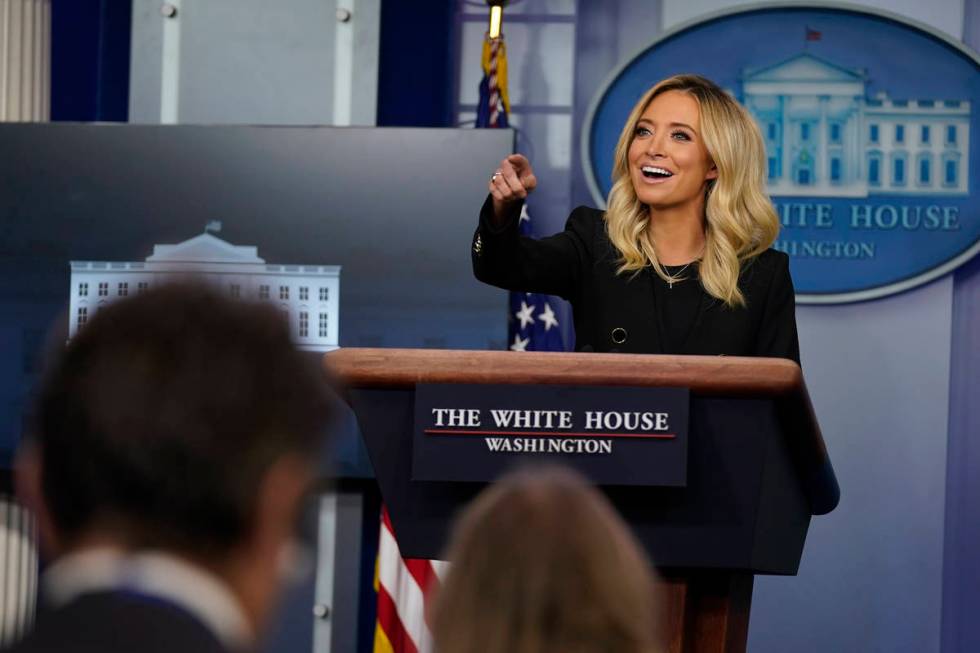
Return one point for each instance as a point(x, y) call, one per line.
point(182, 421)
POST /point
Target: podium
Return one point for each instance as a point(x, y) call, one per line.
point(757, 468)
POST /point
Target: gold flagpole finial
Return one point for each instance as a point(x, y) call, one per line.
point(496, 17)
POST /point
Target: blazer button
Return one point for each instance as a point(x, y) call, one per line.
point(618, 335)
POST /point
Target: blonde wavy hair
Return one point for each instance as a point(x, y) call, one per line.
point(739, 222)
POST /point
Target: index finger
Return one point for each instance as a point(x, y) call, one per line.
point(519, 161)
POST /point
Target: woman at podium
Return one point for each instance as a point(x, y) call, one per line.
point(680, 262)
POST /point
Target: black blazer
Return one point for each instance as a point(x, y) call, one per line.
point(579, 264)
point(102, 622)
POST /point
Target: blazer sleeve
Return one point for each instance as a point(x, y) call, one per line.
point(554, 265)
point(778, 337)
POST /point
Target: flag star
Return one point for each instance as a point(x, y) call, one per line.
point(525, 315)
point(520, 344)
point(524, 215)
point(548, 317)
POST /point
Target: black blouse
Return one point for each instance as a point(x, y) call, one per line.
point(676, 305)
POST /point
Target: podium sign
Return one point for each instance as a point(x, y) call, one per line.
point(613, 435)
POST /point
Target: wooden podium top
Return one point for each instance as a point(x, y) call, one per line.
point(710, 375)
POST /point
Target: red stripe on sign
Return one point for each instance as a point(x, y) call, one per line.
point(654, 436)
point(392, 625)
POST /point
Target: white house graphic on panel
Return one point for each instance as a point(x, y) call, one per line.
point(824, 136)
point(308, 294)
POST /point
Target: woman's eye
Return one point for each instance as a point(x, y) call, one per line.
point(681, 136)
point(642, 131)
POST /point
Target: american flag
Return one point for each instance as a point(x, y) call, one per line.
point(403, 586)
point(494, 105)
point(532, 325)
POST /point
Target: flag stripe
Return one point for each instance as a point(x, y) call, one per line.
point(440, 568)
point(421, 571)
point(398, 581)
point(420, 568)
point(390, 630)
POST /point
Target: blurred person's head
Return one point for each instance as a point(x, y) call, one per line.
point(541, 562)
point(184, 422)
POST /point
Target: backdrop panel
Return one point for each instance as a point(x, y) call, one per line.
point(395, 208)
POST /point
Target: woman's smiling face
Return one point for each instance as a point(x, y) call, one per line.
point(669, 164)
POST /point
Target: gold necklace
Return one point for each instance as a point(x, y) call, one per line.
point(672, 278)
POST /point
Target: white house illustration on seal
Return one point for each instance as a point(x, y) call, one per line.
point(825, 137)
point(309, 295)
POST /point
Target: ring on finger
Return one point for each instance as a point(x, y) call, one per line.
point(496, 174)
